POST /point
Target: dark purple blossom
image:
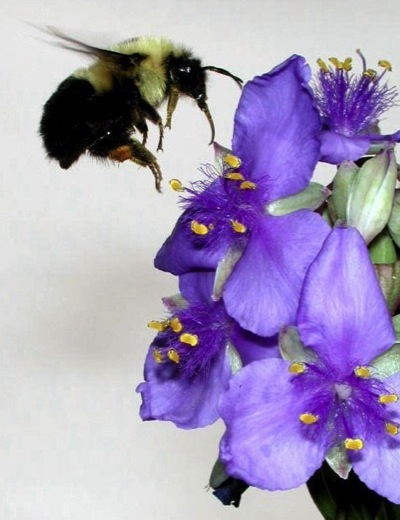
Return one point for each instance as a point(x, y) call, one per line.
point(350, 106)
point(225, 223)
point(339, 399)
point(191, 360)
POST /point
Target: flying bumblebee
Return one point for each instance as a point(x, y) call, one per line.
point(98, 108)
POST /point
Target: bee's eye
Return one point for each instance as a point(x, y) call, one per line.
point(184, 70)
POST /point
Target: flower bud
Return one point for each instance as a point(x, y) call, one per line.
point(310, 198)
point(371, 196)
point(394, 221)
point(342, 183)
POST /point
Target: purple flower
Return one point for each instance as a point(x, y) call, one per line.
point(337, 399)
point(260, 259)
point(350, 107)
point(191, 360)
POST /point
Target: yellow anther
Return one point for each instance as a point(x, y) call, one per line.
point(370, 73)
point(198, 229)
point(308, 418)
point(176, 325)
point(238, 226)
point(385, 64)
point(248, 185)
point(232, 160)
point(176, 185)
point(347, 64)
point(297, 368)
point(160, 326)
point(189, 339)
point(234, 176)
point(362, 372)
point(336, 63)
point(322, 65)
point(388, 398)
point(157, 355)
point(173, 355)
point(391, 429)
point(354, 444)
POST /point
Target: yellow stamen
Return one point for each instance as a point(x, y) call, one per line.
point(322, 65)
point(385, 64)
point(391, 429)
point(362, 372)
point(173, 355)
point(353, 444)
point(198, 229)
point(297, 368)
point(176, 185)
point(160, 326)
point(157, 355)
point(388, 398)
point(238, 226)
point(189, 339)
point(370, 73)
point(234, 176)
point(347, 64)
point(336, 63)
point(308, 418)
point(248, 185)
point(232, 161)
point(176, 325)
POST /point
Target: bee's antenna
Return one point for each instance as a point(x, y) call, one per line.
point(225, 73)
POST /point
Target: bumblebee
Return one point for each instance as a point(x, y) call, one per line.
point(98, 109)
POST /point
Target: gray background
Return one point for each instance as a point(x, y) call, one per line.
point(77, 286)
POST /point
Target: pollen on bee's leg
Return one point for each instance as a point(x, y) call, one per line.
point(391, 429)
point(232, 161)
point(354, 444)
point(388, 398)
point(189, 339)
point(198, 228)
point(121, 154)
point(308, 418)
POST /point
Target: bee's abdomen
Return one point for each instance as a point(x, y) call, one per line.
point(64, 127)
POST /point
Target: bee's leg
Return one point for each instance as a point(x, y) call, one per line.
point(172, 102)
point(138, 153)
point(149, 112)
point(141, 126)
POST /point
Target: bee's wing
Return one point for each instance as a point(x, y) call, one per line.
point(119, 59)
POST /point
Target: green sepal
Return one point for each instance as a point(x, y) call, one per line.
point(394, 221)
point(342, 183)
point(312, 197)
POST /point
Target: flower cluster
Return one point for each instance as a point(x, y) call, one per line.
point(284, 326)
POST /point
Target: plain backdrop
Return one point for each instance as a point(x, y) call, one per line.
point(77, 285)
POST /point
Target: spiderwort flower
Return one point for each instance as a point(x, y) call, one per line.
point(194, 355)
point(339, 400)
point(260, 259)
point(350, 107)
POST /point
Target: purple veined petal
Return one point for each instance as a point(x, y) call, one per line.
point(277, 128)
point(342, 312)
point(189, 403)
point(378, 463)
point(180, 254)
point(336, 148)
point(264, 443)
point(197, 286)
point(262, 293)
point(252, 347)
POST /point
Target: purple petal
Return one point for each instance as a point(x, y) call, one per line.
point(264, 443)
point(252, 347)
point(277, 127)
point(188, 402)
point(342, 313)
point(197, 286)
point(336, 148)
point(263, 290)
point(180, 253)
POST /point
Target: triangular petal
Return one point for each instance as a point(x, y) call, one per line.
point(252, 347)
point(265, 444)
point(277, 127)
point(342, 313)
point(336, 148)
point(188, 402)
point(263, 290)
point(197, 286)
